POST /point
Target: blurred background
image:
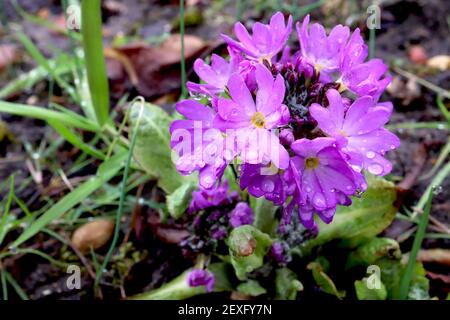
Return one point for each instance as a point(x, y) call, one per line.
point(143, 57)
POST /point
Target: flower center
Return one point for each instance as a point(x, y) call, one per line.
point(258, 120)
point(311, 163)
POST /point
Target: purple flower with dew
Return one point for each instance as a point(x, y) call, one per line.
point(266, 41)
point(322, 52)
point(200, 277)
point(207, 198)
point(216, 75)
point(359, 130)
point(198, 144)
point(323, 178)
point(242, 214)
point(362, 78)
point(267, 181)
point(253, 121)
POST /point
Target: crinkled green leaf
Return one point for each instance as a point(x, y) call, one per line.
point(178, 201)
point(264, 211)
point(324, 281)
point(364, 219)
point(152, 150)
point(369, 252)
point(178, 288)
point(364, 292)
point(391, 273)
point(286, 284)
point(251, 288)
point(247, 246)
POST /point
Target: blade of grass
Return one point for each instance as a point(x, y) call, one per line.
point(42, 61)
point(182, 61)
point(440, 160)
point(106, 171)
point(406, 279)
point(46, 115)
point(436, 182)
point(123, 193)
point(431, 86)
point(4, 285)
point(5, 215)
point(74, 140)
point(15, 286)
point(420, 125)
point(94, 60)
point(443, 108)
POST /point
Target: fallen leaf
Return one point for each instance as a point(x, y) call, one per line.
point(158, 68)
point(94, 234)
point(439, 256)
point(441, 62)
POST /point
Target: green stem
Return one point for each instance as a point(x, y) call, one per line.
point(94, 59)
point(182, 61)
point(406, 279)
point(123, 193)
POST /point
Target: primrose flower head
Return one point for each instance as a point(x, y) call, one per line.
point(266, 41)
point(299, 128)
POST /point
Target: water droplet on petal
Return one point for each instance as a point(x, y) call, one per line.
point(308, 189)
point(370, 154)
point(267, 185)
point(375, 168)
point(392, 147)
point(319, 200)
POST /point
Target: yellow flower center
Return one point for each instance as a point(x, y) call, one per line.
point(258, 120)
point(311, 163)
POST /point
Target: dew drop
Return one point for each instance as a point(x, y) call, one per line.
point(319, 200)
point(370, 154)
point(392, 147)
point(267, 185)
point(375, 168)
point(308, 189)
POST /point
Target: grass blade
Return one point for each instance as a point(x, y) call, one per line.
point(15, 286)
point(48, 115)
point(94, 59)
point(182, 61)
point(122, 198)
point(406, 279)
point(74, 140)
point(4, 221)
point(106, 171)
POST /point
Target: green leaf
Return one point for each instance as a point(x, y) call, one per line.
point(152, 149)
point(251, 288)
point(363, 292)
point(91, 30)
point(106, 171)
point(178, 201)
point(286, 284)
point(247, 246)
point(364, 219)
point(178, 288)
point(369, 252)
point(392, 272)
point(324, 281)
point(264, 211)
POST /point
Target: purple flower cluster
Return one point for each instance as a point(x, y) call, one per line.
point(300, 128)
point(201, 277)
